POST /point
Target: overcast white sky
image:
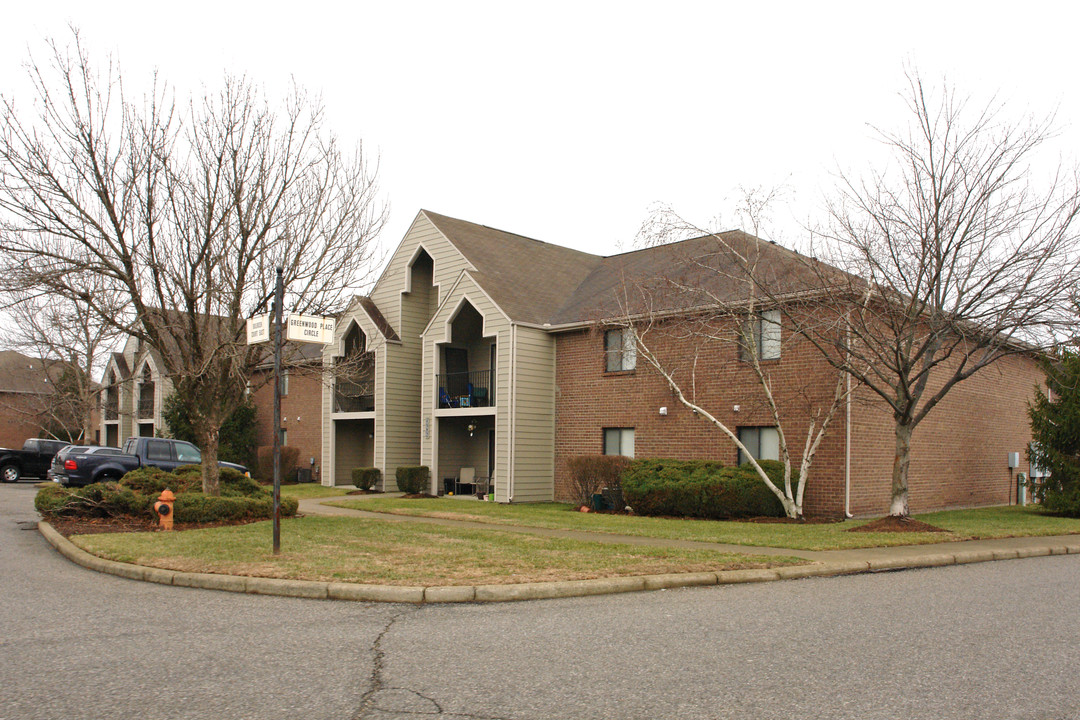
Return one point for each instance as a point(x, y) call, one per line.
point(565, 121)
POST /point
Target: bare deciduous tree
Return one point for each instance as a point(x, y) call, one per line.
point(184, 210)
point(708, 305)
point(954, 259)
point(70, 341)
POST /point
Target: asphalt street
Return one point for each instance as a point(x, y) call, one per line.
point(986, 640)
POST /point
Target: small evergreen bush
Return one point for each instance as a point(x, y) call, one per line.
point(702, 489)
point(413, 480)
point(366, 478)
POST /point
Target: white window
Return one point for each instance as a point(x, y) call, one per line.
point(284, 382)
point(762, 336)
point(619, 441)
point(620, 350)
point(284, 437)
point(762, 442)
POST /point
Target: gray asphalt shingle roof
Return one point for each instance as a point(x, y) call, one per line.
point(542, 283)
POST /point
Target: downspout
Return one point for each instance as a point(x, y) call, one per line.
point(847, 451)
point(847, 433)
point(511, 437)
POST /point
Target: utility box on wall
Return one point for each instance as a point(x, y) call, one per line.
point(1014, 460)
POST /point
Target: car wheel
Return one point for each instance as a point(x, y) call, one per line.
point(10, 473)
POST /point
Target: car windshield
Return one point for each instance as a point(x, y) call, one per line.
point(188, 453)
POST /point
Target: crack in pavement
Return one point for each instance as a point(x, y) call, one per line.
point(383, 701)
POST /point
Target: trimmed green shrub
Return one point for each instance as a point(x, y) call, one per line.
point(242, 498)
point(108, 499)
point(50, 500)
point(152, 480)
point(366, 478)
point(702, 489)
point(265, 467)
point(590, 473)
point(413, 480)
point(198, 508)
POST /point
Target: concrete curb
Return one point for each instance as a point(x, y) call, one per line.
point(526, 591)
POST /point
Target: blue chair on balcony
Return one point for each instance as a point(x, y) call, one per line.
point(444, 399)
point(479, 397)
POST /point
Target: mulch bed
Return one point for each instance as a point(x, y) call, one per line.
point(364, 492)
point(90, 526)
point(892, 523)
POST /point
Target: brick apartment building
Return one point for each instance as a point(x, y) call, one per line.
point(135, 388)
point(499, 357)
point(24, 390)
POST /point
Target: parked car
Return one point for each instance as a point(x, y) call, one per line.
point(32, 462)
point(75, 451)
point(83, 468)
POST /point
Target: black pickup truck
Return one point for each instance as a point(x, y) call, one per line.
point(80, 465)
point(32, 462)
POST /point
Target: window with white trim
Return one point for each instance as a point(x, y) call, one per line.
point(619, 441)
point(762, 442)
point(761, 336)
point(620, 350)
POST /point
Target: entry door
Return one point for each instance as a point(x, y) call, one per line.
point(456, 361)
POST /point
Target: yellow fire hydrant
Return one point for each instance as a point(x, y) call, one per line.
point(164, 508)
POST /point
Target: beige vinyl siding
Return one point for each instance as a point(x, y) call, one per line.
point(495, 324)
point(534, 415)
point(397, 403)
point(331, 453)
point(449, 263)
point(354, 448)
point(401, 416)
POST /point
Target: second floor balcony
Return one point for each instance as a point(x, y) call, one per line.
point(466, 389)
point(350, 397)
point(145, 410)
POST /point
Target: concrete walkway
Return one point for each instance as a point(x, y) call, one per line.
point(821, 563)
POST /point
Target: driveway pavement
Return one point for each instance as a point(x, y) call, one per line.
point(984, 640)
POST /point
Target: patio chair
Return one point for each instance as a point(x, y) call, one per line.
point(466, 476)
point(481, 485)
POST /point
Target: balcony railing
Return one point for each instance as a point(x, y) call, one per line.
point(468, 389)
point(146, 408)
point(353, 397)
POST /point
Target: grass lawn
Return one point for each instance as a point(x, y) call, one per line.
point(312, 490)
point(370, 551)
point(1010, 521)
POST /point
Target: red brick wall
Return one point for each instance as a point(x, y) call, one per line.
point(18, 420)
point(589, 399)
point(959, 454)
point(301, 408)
